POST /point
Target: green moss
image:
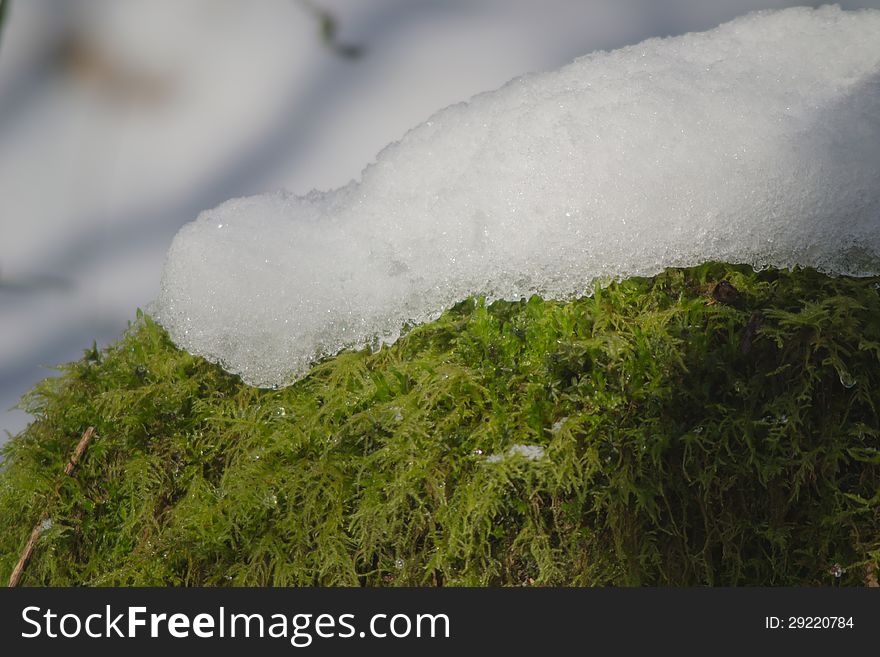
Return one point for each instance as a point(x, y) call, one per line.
point(686, 442)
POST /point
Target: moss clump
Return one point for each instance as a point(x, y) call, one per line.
point(686, 441)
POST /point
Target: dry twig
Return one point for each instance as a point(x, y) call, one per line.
point(38, 529)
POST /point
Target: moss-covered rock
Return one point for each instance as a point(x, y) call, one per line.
point(692, 432)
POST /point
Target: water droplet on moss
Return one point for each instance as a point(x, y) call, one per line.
point(847, 380)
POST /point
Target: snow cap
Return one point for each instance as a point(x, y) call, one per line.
point(756, 142)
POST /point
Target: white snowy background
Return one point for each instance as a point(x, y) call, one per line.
point(120, 120)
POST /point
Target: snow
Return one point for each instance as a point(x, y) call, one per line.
point(96, 177)
point(528, 452)
point(756, 142)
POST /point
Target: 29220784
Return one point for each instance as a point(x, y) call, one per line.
point(808, 622)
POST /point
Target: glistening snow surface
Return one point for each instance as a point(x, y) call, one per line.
point(757, 142)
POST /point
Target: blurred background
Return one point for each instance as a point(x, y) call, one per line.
point(120, 120)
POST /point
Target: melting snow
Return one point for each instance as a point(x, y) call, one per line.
point(756, 142)
point(528, 452)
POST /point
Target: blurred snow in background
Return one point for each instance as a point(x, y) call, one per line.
point(121, 120)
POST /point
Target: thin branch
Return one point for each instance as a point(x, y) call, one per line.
point(39, 528)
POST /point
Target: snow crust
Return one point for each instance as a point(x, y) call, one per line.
point(756, 142)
